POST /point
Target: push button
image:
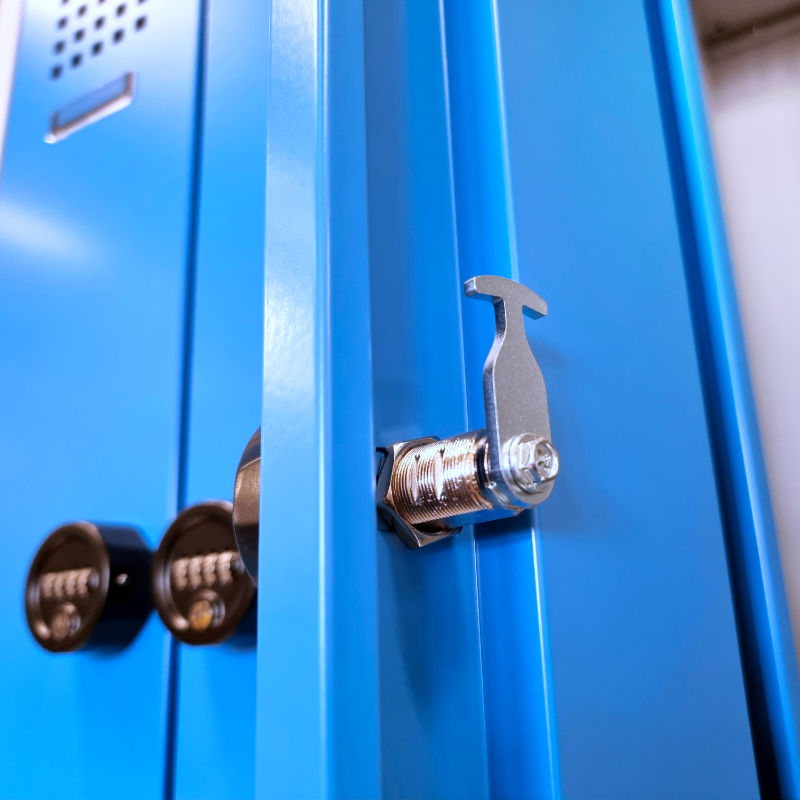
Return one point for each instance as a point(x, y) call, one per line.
point(200, 587)
point(88, 587)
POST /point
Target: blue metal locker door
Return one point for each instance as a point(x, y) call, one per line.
point(93, 252)
point(611, 661)
point(216, 688)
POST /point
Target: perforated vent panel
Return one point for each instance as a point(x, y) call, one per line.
point(85, 28)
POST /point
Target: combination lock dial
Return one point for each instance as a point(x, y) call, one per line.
point(88, 587)
point(200, 586)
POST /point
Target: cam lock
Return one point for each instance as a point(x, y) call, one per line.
point(200, 587)
point(88, 587)
point(428, 488)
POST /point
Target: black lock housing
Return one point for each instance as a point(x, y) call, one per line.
point(200, 586)
point(88, 587)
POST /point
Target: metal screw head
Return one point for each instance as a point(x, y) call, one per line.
point(531, 462)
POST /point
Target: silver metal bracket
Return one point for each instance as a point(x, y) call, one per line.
point(514, 393)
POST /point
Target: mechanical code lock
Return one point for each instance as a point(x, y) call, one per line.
point(200, 587)
point(88, 587)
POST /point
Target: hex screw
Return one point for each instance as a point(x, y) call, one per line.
point(531, 462)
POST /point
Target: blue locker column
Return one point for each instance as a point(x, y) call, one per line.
point(93, 248)
point(611, 661)
point(317, 683)
point(215, 724)
point(432, 733)
point(369, 662)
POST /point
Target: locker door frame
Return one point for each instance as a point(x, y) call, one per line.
point(317, 684)
point(369, 680)
point(766, 642)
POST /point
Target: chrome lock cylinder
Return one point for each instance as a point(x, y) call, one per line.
point(428, 488)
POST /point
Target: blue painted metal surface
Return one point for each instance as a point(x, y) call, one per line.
point(520, 718)
point(610, 651)
point(768, 650)
point(216, 704)
point(93, 249)
point(587, 651)
point(339, 603)
point(317, 685)
point(601, 628)
point(432, 724)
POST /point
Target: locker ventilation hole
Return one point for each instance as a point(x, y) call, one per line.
point(80, 30)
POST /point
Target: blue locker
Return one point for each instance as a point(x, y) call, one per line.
point(94, 246)
point(276, 230)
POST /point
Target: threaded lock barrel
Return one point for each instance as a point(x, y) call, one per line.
point(440, 479)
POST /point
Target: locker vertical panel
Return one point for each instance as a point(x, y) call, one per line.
point(317, 685)
point(93, 235)
point(769, 656)
point(642, 665)
point(215, 729)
